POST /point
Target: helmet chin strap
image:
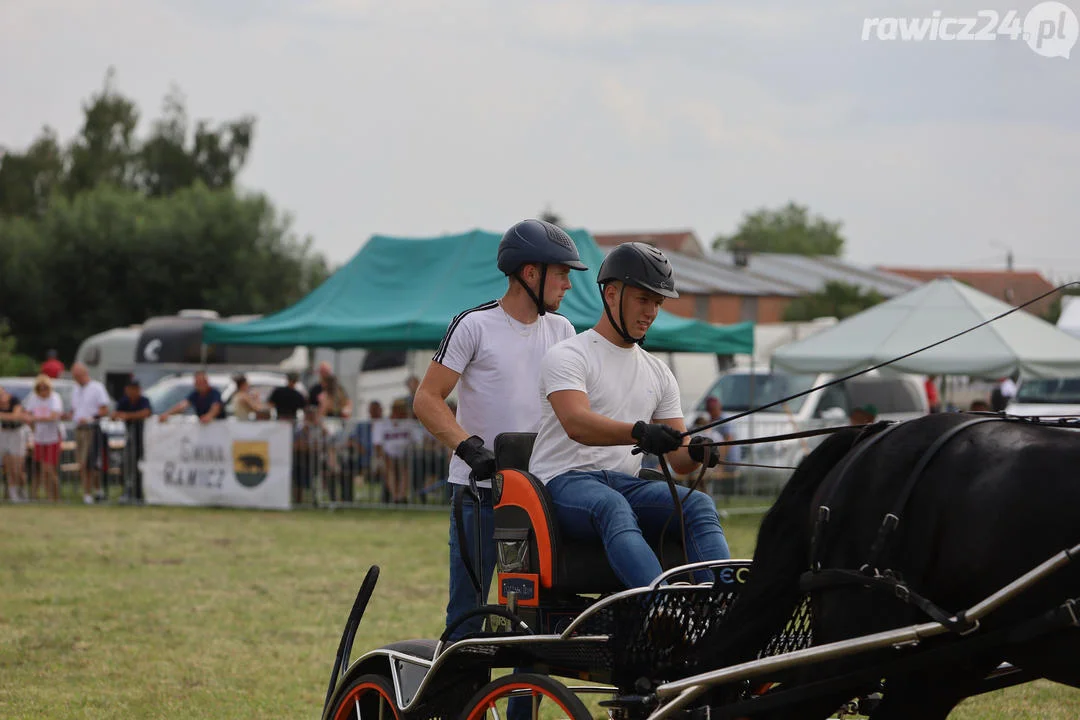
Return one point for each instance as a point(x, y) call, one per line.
point(540, 309)
point(620, 327)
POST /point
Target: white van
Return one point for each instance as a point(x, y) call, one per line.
point(894, 396)
point(1046, 398)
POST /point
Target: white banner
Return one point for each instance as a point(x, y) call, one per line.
point(239, 464)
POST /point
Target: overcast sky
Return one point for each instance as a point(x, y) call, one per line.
point(417, 118)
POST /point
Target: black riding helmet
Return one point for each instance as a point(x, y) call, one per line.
point(640, 265)
point(536, 241)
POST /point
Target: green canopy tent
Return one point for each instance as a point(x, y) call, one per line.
point(403, 293)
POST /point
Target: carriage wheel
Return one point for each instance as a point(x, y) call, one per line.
point(491, 701)
point(369, 697)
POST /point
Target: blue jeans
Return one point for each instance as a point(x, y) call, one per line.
point(462, 591)
point(623, 510)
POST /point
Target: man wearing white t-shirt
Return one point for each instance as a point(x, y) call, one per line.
point(89, 402)
point(602, 394)
point(492, 354)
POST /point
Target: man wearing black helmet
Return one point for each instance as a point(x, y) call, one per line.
point(492, 354)
point(602, 394)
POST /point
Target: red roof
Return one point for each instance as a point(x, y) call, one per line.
point(683, 241)
point(1012, 286)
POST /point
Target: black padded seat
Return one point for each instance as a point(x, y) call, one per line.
point(578, 565)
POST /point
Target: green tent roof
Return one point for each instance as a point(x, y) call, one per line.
point(403, 293)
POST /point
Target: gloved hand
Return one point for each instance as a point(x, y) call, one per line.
point(477, 457)
point(702, 453)
point(656, 438)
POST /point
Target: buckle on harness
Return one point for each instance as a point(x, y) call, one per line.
point(1070, 607)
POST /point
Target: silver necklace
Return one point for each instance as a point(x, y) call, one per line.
point(517, 326)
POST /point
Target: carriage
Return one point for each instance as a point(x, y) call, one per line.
point(564, 630)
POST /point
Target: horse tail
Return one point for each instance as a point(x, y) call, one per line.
point(769, 597)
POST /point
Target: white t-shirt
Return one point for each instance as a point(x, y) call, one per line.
point(87, 399)
point(498, 359)
point(45, 433)
point(625, 384)
point(396, 435)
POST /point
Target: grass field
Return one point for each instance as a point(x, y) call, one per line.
point(124, 612)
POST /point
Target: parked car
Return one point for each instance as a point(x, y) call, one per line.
point(1046, 398)
point(168, 391)
point(894, 396)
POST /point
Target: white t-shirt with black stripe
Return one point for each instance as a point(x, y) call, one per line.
point(498, 359)
point(625, 384)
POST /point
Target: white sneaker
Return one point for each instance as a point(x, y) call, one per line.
point(88, 499)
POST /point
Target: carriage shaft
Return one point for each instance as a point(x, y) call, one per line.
point(689, 688)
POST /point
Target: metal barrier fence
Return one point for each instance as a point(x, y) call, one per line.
point(341, 463)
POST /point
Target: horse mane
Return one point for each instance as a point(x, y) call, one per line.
point(768, 599)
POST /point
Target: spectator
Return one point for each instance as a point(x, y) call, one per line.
point(46, 410)
point(933, 400)
point(394, 441)
point(1004, 392)
point(205, 400)
point(328, 396)
point(89, 403)
point(980, 406)
point(246, 403)
point(13, 445)
point(133, 408)
point(309, 444)
point(52, 365)
point(287, 401)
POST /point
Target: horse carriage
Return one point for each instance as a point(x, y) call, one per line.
point(889, 580)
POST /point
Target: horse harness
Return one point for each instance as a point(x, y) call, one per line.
point(870, 575)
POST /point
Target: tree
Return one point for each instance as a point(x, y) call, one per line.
point(551, 216)
point(113, 257)
point(104, 151)
point(28, 180)
point(11, 362)
point(112, 229)
point(107, 151)
point(1054, 312)
point(789, 229)
point(837, 299)
point(166, 164)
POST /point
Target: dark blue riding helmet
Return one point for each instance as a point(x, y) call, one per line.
point(541, 242)
point(537, 241)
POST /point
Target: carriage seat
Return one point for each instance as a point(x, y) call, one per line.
point(529, 541)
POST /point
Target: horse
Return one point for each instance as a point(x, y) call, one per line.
point(980, 505)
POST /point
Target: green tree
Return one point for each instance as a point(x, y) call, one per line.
point(837, 299)
point(1054, 312)
point(28, 179)
point(105, 149)
point(552, 217)
point(166, 163)
point(790, 229)
point(11, 362)
point(112, 257)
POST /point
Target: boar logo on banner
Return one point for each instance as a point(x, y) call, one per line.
point(251, 461)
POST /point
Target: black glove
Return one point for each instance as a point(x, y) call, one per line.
point(702, 453)
point(477, 457)
point(655, 438)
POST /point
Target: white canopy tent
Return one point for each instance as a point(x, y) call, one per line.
point(934, 311)
point(1069, 321)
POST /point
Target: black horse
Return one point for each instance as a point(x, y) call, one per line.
point(994, 500)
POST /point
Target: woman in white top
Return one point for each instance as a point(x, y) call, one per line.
point(45, 409)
